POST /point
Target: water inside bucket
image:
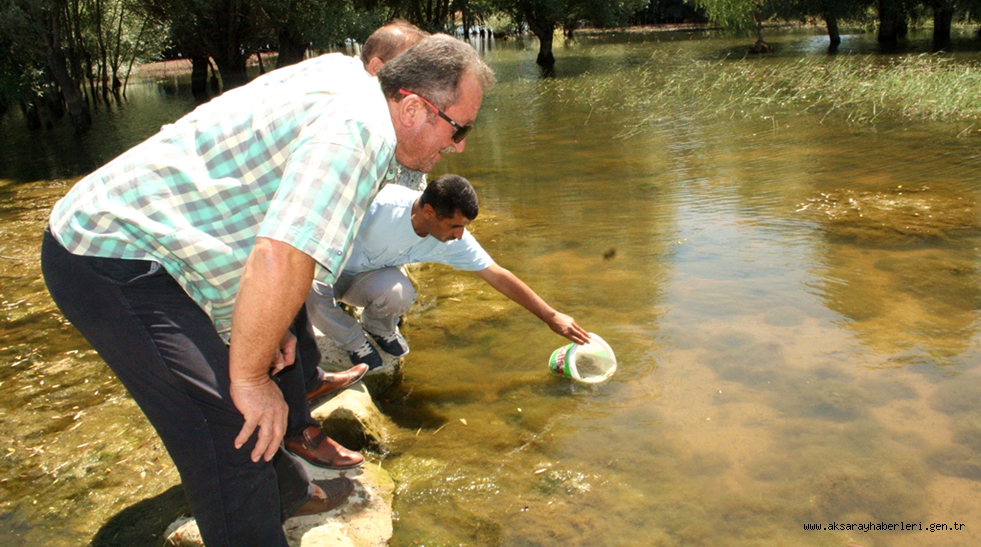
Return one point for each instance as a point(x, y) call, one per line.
point(594, 362)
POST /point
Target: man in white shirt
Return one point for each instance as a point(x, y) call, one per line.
point(404, 226)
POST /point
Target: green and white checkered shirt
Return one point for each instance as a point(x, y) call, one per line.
point(297, 159)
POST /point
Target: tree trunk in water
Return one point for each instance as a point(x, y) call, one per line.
point(834, 37)
point(199, 75)
point(231, 65)
point(544, 30)
point(215, 84)
point(292, 48)
point(942, 18)
point(31, 116)
point(545, 57)
point(78, 109)
point(466, 19)
point(760, 46)
point(892, 22)
point(232, 71)
point(258, 57)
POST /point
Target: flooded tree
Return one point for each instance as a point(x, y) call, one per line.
point(832, 11)
point(892, 21)
point(54, 47)
point(303, 24)
point(34, 29)
point(742, 15)
point(229, 32)
point(543, 17)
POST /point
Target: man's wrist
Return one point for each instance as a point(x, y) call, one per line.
point(250, 381)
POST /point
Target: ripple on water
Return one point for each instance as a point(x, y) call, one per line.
point(897, 216)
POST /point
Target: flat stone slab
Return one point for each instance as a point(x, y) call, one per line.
point(365, 520)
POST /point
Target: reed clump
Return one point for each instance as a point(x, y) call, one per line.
point(859, 88)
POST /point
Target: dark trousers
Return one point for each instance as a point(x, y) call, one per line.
point(307, 362)
point(166, 352)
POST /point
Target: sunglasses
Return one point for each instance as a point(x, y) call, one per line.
point(461, 130)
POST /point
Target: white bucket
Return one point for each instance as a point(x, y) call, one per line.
point(590, 363)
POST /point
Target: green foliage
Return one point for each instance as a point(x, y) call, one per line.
point(323, 22)
point(667, 12)
point(119, 33)
point(20, 54)
point(611, 13)
point(741, 15)
point(840, 9)
point(98, 39)
point(20, 80)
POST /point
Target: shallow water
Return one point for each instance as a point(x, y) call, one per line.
point(793, 302)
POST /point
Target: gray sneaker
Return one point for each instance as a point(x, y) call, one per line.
point(393, 344)
point(366, 354)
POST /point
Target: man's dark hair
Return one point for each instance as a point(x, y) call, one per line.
point(390, 40)
point(449, 194)
point(433, 69)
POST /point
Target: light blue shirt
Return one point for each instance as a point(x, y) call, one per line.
point(386, 238)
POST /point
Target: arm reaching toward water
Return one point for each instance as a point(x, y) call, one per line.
point(510, 286)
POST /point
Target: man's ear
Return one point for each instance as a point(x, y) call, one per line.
point(412, 111)
point(374, 65)
point(428, 212)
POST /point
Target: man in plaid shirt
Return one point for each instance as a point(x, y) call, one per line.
point(185, 260)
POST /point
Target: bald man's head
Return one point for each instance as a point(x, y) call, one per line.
point(389, 41)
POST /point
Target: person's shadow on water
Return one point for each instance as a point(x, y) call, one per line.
point(143, 523)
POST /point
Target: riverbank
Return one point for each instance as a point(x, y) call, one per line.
point(182, 67)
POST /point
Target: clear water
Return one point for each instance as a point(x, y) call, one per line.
point(782, 360)
point(793, 301)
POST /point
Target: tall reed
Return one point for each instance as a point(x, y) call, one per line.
point(858, 88)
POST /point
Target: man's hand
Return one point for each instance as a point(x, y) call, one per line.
point(286, 354)
point(566, 326)
point(275, 282)
point(264, 409)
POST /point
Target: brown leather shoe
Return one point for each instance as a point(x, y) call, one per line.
point(330, 382)
point(330, 494)
point(320, 450)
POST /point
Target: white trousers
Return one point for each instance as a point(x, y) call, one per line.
point(385, 295)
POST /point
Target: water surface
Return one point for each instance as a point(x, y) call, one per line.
point(793, 300)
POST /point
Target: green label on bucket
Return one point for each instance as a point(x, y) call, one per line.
point(557, 363)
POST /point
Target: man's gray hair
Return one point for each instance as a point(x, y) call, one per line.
point(433, 69)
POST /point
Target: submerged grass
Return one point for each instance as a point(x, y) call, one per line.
point(857, 88)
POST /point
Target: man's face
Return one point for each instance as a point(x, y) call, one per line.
point(426, 143)
point(447, 229)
